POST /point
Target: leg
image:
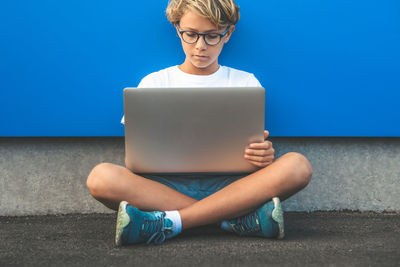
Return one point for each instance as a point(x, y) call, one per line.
point(111, 184)
point(284, 177)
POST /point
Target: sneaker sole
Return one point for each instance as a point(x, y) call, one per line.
point(277, 216)
point(123, 220)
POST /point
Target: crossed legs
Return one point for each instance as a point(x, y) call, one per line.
point(110, 184)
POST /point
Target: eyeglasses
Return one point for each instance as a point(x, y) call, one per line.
point(212, 38)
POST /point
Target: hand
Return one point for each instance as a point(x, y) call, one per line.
point(260, 154)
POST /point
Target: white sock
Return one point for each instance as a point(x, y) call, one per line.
point(226, 226)
point(175, 217)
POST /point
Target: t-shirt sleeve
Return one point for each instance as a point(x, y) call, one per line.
point(147, 81)
point(253, 81)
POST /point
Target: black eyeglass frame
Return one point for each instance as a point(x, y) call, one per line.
point(221, 35)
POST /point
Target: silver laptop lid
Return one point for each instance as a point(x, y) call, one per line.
point(192, 130)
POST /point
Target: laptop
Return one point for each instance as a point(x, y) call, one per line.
point(192, 130)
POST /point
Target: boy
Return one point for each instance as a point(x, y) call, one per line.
point(155, 208)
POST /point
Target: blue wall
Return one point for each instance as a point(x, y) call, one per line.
point(331, 68)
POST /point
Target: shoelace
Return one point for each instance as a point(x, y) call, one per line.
point(248, 224)
point(155, 228)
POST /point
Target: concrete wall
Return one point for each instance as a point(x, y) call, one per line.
point(48, 175)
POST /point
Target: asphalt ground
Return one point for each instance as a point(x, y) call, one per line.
point(312, 239)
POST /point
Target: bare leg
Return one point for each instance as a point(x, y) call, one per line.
point(111, 184)
point(284, 177)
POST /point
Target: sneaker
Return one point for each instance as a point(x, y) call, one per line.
point(266, 221)
point(136, 226)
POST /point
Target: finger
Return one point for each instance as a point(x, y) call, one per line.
point(263, 145)
point(259, 164)
point(259, 158)
point(266, 134)
point(259, 152)
point(266, 157)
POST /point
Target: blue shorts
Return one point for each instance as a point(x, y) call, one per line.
point(196, 186)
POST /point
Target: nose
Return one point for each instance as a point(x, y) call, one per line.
point(201, 43)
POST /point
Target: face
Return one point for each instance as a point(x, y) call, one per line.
point(201, 59)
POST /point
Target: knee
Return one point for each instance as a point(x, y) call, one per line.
point(97, 179)
point(301, 167)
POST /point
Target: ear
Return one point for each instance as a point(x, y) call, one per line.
point(177, 31)
point(229, 33)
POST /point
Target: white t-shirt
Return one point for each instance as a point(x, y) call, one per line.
point(223, 77)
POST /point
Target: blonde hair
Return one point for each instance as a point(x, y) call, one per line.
point(222, 13)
